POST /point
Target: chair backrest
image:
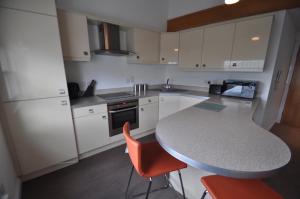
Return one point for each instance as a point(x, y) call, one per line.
point(134, 149)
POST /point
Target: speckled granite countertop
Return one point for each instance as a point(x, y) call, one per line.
point(227, 142)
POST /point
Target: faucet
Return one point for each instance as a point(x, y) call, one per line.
point(167, 85)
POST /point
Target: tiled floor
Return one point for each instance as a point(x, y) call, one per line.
point(104, 176)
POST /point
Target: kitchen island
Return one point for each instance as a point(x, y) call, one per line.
point(220, 137)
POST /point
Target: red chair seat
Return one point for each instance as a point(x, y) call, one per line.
point(220, 187)
point(158, 161)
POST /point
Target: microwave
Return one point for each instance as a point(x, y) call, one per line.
point(239, 88)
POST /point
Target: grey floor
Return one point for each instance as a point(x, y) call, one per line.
point(105, 175)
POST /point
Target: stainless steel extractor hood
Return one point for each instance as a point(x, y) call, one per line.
point(109, 39)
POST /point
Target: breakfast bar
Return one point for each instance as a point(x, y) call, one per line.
point(219, 136)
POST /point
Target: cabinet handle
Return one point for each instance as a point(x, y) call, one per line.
point(103, 117)
point(149, 100)
point(234, 64)
point(137, 57)
point(163, 59)
point(64, 103)
point(203, 65)
point(91, 110)
point(85, 53)
point(142, 109)
point(61, 91)
point(197, 65)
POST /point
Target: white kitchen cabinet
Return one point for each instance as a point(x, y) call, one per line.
point(145, 45)
point(31, 57)
point(190, 49)
point(148, 115)
point(42, 132)
point(251, 44)
point(44, 7)
point(92, 130)
point(217, 47)
point(74, 36)
point(169, 47)
point(186, 102)
point(168, 105)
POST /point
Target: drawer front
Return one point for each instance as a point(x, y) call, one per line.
point(148, 100)
point(89, 110)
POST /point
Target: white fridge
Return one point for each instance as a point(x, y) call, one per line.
point(34, 90)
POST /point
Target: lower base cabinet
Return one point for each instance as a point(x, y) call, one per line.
point(42, 133)
point(92, 130)
point(148, 117)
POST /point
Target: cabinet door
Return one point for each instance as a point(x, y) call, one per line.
point(168, 105)
point(148, 116)
point(44, 7)
point(31, 57)
point(146, 46)
point(92, 132)
point(74, 36)
point(42, 132)
point(217, 47)
point(251, 44)
point(186, 102)
point(190, 44)
point(169, 47)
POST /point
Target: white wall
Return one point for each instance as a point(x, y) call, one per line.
point(178, 8)
point(8, 178)
point(150, 14)
point(113, 72)
point(286, 48)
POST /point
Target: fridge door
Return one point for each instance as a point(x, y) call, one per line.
point(31, 63)
point(42, 132)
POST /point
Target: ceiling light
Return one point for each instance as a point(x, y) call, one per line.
point(231, 1)
point(255, 38)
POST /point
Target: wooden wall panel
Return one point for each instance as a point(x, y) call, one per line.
point(224, 12)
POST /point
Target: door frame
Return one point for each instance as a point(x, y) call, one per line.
point(289, 78)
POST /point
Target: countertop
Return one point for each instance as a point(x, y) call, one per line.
point(96, 100)
point(227, 142)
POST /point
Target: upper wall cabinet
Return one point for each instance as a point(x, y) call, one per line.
point(217, 47)
point(190, 52)
point(145, 45)
point(44, 7)
point(240, 46)
point(74, 36)
point(31, 57)
point(169, 47)
point(251, 44)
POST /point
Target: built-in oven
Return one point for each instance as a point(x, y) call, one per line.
point(121, 112)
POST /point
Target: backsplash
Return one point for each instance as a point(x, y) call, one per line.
point(113, 72)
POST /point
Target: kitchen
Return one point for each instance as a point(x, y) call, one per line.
point(52, 50)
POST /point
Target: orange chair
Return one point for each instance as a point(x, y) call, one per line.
point(150, 160)
point(220, 187)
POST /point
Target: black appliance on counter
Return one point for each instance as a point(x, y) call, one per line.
point(235, 88)
point(121, 112)
point(74, 91)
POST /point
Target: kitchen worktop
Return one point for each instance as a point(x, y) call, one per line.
point(224, 141)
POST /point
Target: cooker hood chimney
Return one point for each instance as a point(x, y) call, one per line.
point(109, 39)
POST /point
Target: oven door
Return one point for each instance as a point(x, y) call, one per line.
point(117, 119)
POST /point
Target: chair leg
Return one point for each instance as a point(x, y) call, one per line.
point(183, 193)
point(127, 188)
point(149, 188)
point(204, 194)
